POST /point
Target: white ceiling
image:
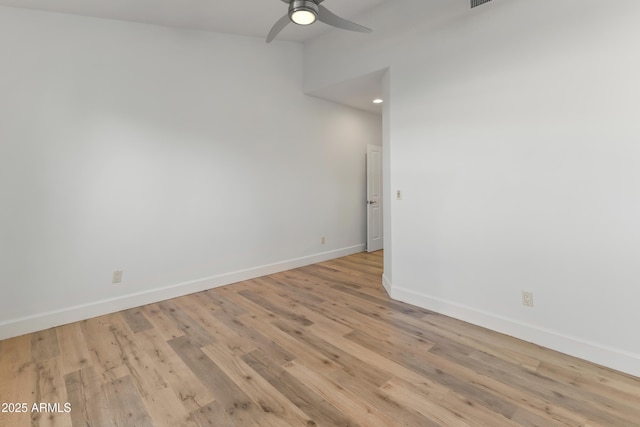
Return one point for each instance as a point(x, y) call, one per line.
point(244, 17)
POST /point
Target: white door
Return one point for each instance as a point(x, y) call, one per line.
point(374, 198)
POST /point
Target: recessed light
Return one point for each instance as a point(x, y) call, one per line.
point(378, 101)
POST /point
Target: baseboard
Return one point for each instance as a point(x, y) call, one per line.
point(24, 325)
point(593, 352)
point(386, 284)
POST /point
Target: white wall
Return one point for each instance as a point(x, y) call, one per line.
point(514, 136)
point(185, 159)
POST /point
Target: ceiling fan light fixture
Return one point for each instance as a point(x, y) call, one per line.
point(306, 12)
point(303, 12)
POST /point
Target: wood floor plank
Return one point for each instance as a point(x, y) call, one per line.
point(136, 320)
point(236, 403)
point(396, 306)
point(213, 414)
point(301, 307)
point(348, 299)
point(164, 404)
point(397, 409)
point(362, 320)
point(125, 404)
point(201, 309)
point(356, 267)
point(418, 364)
point(49, 389)
point(44, 345)
point(278, 284)
point(16, 357)
point(328, 276)
point(348, 363)
point(225, 307)
point(321, 345)
point(172, 373)
point(250, 335)
point(162, 324)
point(49, 384)
point(593, 406)
point(529, 419)
point(89, 406)
point(476, 415)
point(509, 392)
point(594, 385)
point(74, 347)
point(106, 355)
point(321, 412)
point(186, 324)
point(274, 406)
point(304, 354)
point(346, 401)
point(336, 308)
point(403, 375)
point(279, 311)
point(477, 339)
point(16, 370)
point(430, 409)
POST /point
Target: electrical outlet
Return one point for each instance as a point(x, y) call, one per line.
point(323, 240)
point(398, 195)
point(527, 298)
point(117, 276)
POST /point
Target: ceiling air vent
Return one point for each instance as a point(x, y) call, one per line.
point(476, 3)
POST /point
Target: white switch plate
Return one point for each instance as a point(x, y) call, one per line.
point(117, 276)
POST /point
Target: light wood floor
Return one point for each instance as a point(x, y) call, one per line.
point(322, 345)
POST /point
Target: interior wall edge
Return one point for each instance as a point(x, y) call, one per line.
point(38, 322)
point(386, 284)
point(609, 357)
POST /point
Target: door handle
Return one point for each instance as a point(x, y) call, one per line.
point(371, 202)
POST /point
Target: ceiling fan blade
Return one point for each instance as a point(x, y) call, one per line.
point(278, 26)
point(326, 16)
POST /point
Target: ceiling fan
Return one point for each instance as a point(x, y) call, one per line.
point(306, 12)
